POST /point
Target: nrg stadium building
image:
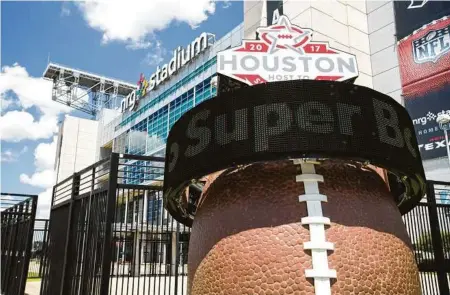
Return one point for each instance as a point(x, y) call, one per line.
point(136, 119)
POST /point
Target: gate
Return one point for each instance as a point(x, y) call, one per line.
point(17, 221)
point(109, 233)
point(40, 235)
point(428, 226)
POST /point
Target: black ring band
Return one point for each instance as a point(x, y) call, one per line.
point(292, 119)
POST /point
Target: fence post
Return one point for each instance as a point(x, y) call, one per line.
point(75, 191)
point(44, 249)
point(177, 260)
point(110, 210)
point(15, 245)
point(87, 231)
point(29, 241)
point(45, 278)
point(11, 239)
point(436, 240)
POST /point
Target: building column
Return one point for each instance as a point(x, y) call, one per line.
point(136, 265)
point(174, 252)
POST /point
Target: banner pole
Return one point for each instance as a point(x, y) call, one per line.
point(447, 145)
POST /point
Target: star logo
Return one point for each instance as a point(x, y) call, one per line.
point(417, 4)
point(142, 86)
point(285, 35)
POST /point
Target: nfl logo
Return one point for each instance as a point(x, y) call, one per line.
point(432, 46)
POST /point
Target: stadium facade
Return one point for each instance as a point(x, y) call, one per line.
point(140, 126)
point(142, 119)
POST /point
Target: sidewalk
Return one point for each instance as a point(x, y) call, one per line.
point(33, 287)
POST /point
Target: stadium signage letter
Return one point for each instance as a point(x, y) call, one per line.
point(181, 56)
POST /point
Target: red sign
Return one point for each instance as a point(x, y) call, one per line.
point(285, 52)
point(424, 58)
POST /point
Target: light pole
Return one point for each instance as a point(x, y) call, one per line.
point(444, 124)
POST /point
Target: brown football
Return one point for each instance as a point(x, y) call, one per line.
point(247, 237)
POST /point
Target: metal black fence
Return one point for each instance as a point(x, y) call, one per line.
point(17, 223)
point(109, 233)
point(39, 242)
point(428, 225)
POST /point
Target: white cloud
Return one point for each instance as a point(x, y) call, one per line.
point(132, 21)
point(19, 125)
point(12, 156)
point(139, 45)
point(156, 56)
point(65, 10)
point(226, 4)
point(8, 156)
point(44, 160)
point(44, 155)
point(30, 91)
point(44, 179)
point(44, 176)
point(6, 102)
point(43, 205)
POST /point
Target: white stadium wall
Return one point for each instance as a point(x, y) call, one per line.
point(77, 146)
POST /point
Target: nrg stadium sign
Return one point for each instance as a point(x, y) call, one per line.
point(285, 52)
point(181, 57)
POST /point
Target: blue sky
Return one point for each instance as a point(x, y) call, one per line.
point(94, 38)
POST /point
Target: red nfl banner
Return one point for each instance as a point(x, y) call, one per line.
point(424, 58)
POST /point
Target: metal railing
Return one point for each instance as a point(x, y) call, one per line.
point(17, 223)
point(38, 245)
point(109, 232)
point(428, 226)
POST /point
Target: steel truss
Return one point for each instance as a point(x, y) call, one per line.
point(85, 91)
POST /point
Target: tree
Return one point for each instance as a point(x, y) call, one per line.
point(425, 243)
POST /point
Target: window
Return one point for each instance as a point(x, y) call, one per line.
point(137, 138)
point(154, 210)
point(150, 134)
point(168, 92)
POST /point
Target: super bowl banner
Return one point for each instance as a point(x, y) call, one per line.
point(424, 62)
